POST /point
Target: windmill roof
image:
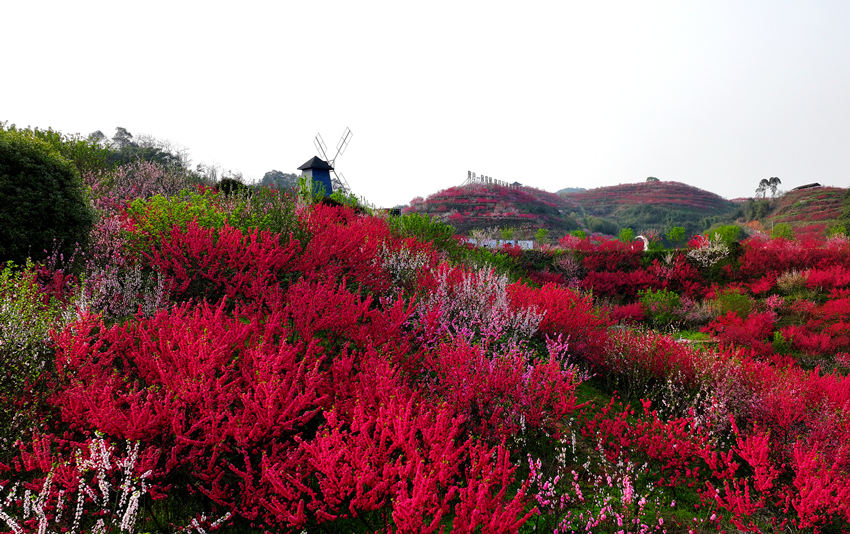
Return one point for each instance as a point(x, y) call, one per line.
point(315, 163)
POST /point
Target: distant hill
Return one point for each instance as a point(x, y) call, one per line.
point(642, 206)
point(488, 205)
point(571, 190)
point(280, 180)
point(651, 205)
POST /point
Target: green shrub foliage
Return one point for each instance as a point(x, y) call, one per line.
point(26, 319)
point(44, 202)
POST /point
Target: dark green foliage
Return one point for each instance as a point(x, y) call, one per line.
point(756, 208)
point(43, 200)
point(87, 154)
point(646, 217)
point(653, 205)
point(733, 301)
point(780, 344)
point(231, 186)
point(601, 226)
point(845, 211)
point(535, 260)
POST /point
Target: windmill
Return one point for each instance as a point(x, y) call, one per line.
point(338, 181)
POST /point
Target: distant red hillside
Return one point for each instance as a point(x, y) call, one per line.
point(809, 211)
point(488, 205)
point(606, 201)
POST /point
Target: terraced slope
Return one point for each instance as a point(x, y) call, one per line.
point(811, 211)
point(646, 206)
point(485, 206)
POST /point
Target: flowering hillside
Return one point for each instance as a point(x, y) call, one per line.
point(604, 201)
point(489, 205)
point(262, 363)
point(653, 205)
point(810, 211)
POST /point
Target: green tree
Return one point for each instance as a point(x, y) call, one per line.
point(507, 233)
point(837, 230)
point(279, 180)
point(675, 234)
point(44, 201)
point(88, 154)
point(783, 231)
point(727, 233)
point(627, 235)
point(542, 235)
point(231, 186)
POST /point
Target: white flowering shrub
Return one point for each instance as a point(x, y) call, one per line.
point(95, 490)
point(709, 252)
point(476, 308)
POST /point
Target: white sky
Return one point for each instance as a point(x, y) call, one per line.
point(716, 94)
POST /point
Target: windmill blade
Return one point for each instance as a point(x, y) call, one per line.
point(340, 183)
point(321, 147)
point(343, 142)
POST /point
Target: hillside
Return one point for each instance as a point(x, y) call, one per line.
point(651, 206)
point(487, 205)
point(810, 211)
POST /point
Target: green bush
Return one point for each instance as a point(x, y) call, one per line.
point(837, 230)
point(727, 233)
point(44, 204)
point(783, 231)
point(423, 228)
point(155, 216)
point(734, 301)
point(661, 307)
point(676, 234)
point(266, 209)
point(263, 209)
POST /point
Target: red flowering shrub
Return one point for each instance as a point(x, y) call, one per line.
point(501, 396)
point(566, 313)
point(344, 244)
point(750, 332)
point(206, 263)
point(609, 254)
point(619, 285)
point(626, 313)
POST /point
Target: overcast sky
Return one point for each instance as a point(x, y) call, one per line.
point(716, 94)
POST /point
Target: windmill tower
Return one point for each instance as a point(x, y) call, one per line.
point(338, 182)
